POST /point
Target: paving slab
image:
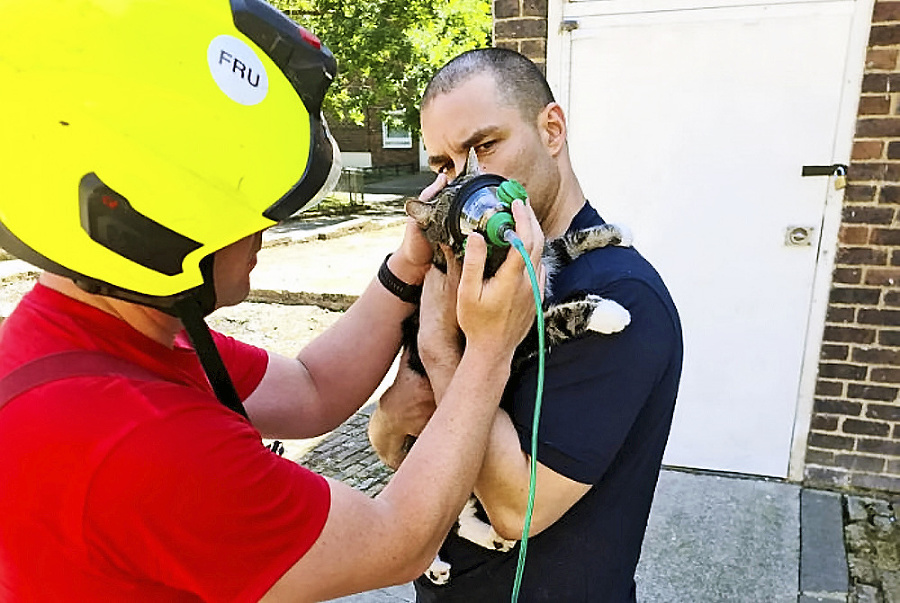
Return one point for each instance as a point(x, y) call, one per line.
point(823, 558)
point(714, 538)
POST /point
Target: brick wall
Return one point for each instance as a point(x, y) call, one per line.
point(855, 428)
point(521, 25)
point(353, 138)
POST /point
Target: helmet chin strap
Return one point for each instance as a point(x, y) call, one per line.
point(191, 310)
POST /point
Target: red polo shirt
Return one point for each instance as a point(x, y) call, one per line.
point(118, 489)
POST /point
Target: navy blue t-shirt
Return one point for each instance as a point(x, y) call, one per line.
point(605, 418)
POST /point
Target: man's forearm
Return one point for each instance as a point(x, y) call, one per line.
point(443, 464)
point(347, 362)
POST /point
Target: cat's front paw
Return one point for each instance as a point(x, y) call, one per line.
point(500, 543)
point(439, 571)
point(608, 317)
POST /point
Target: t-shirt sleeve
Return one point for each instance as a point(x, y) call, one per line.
point(595, 386)
point(246, 363)
point(191, 499)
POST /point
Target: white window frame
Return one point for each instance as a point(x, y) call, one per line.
point(394, 142)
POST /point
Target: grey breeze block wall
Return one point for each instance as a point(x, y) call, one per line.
point(854, 439)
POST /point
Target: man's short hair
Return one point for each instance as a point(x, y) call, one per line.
point(519, 81)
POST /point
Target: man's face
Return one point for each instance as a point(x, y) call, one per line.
point(472, 116)
point(231, 270)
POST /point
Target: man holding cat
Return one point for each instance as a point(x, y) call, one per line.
point(608, 399)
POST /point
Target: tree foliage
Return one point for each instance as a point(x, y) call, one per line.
point(387, 50)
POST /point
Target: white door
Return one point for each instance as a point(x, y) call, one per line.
point(692, 126)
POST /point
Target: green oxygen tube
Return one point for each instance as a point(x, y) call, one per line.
point(483, 205)
point(538, 397)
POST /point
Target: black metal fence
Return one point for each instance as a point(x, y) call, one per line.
point(353, 179)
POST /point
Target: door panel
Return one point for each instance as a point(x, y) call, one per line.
point(691, 127)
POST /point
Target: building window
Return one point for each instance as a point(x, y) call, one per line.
point(394, 135)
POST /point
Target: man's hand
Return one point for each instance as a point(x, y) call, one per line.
point(496, 314)
point(403, 410)
point(440, 339)
point(413, 259)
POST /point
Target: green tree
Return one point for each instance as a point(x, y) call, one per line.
point(387, 50)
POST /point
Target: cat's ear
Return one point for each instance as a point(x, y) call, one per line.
point(472, 167)
point(420, 211)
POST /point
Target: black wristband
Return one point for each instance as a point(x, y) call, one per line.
point(406, 292)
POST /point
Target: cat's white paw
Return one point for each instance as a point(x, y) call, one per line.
point(500, 543)
point(609, 317)
point(483, 534)
point(439, 571)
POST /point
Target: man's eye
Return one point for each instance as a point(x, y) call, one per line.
point(486, 146)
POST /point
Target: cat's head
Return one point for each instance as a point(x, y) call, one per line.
point(432, 217)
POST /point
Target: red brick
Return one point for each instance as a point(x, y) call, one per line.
point(824, 423)
point(861, 255)
point(534, 8)
point(827, 477)
point(886, 12)
point(856, 295)
point(889, 338)
point(877, 127)
point(508, 44)
point(888, 277)
point(892, 298)
point(847, 276)
point(880, 356)
point(503, 9)
point(881, 59)
point(849, 335)
point(832, 442)
point(859, 193)
point(834, 352)
point(884, 35)
point(872, 104)
point(879, 446)
point(829, 388)
point(872, 428)
point(876, 171)
point(869, 316)
point(883, 411)
point(889, 195)
point(885, 375)
point(885, 236)
point(874, 482)
point(837, 407)
point(819, 457)
point(837, 315)
point(856, 462)
point(854, 235)
point(868, 215)
point(531, 28)
point(875, 82)
point(872, 392)
point(853, 372)
point(534, 49)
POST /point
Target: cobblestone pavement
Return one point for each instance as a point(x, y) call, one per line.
point(346, 455)
point(872, 538)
